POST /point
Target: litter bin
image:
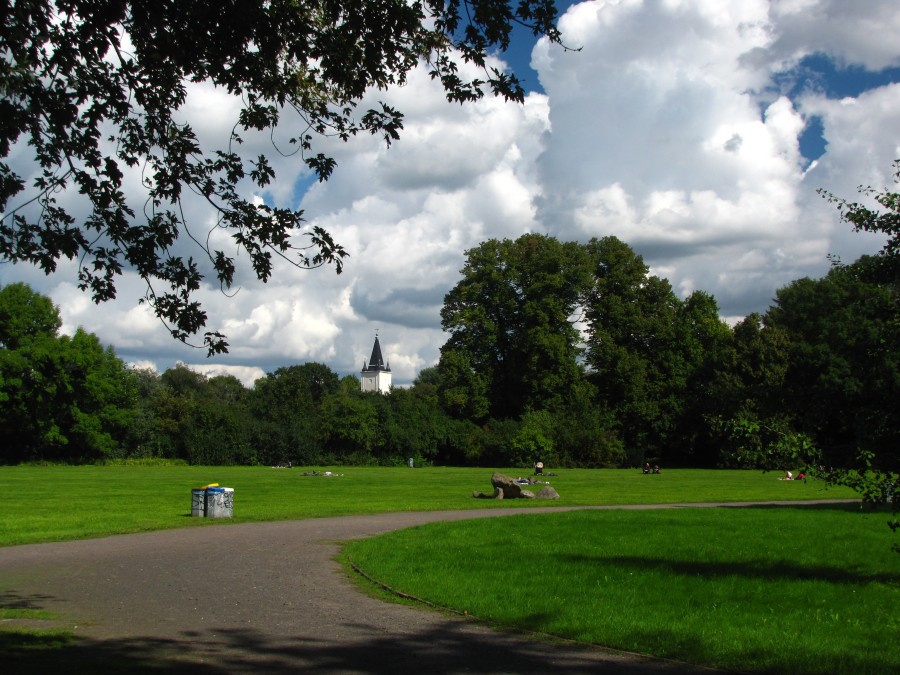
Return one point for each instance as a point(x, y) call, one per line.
point(198, 502)
point(219, 502)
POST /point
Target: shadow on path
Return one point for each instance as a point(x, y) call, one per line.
point(452, 648)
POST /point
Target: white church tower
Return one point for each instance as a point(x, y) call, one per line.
point(376, 376)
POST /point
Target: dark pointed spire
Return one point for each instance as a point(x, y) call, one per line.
point(376, 361)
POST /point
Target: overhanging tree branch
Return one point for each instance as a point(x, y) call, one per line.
point(92, 88)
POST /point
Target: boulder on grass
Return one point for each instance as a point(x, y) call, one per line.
point(547, 493)
point(511, 489)
point(507, 488)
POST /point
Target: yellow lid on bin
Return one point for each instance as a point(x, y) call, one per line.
point(210, 485)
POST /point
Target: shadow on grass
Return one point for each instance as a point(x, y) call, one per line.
point(763, 570)
point(799, 659)
point(848, 506)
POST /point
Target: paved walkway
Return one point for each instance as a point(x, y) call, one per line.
point(262, 597)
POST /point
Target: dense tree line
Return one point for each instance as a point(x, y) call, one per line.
point(70, 399)
point(568, 353)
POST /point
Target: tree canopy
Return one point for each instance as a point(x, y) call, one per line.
point(511, 319)
point(94, 89)
point(61, 397)
point(592, 358)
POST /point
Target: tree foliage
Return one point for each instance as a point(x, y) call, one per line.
point(819, 373)
point(653, 357)
point(584, 332)
point(95, 90)
point(513, 343)
point(842, 383)
point(875, 471)
point(61, 397)
point(885, 267)
point(631, 336)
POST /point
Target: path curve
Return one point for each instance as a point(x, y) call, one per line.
point(265, 597)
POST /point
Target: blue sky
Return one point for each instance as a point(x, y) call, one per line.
point(697, 131)
point(818, 71)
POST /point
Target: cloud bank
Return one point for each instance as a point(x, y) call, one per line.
point(672, 129)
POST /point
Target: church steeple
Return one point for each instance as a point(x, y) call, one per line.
point(376, 375)
point(376, 361)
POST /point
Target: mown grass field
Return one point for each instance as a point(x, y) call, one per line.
point(806, 589)
point(801, 589)
point(56, 503)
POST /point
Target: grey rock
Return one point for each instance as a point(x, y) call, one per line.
point(547, 493)
point(511, 489)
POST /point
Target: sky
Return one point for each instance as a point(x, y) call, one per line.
point(696, 131)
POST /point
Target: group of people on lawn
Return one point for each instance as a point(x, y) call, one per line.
point(539, 470)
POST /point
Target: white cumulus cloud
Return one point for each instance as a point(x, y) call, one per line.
point(671, 129)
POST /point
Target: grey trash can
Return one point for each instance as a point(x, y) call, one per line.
point(198, 503)
point(229, 501)
point(219, 502)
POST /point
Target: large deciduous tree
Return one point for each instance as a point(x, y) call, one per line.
point(822, 377)
point(842, 383)
point(631, 328)
point(93, 91)
point(652, 356)
point(513, 343)
point(702, 346)
point(61, 397)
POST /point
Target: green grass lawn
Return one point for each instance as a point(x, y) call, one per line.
point(54, 503)
point(764, 590)
point(789, 589)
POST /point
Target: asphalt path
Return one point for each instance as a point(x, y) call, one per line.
point(264, 597)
